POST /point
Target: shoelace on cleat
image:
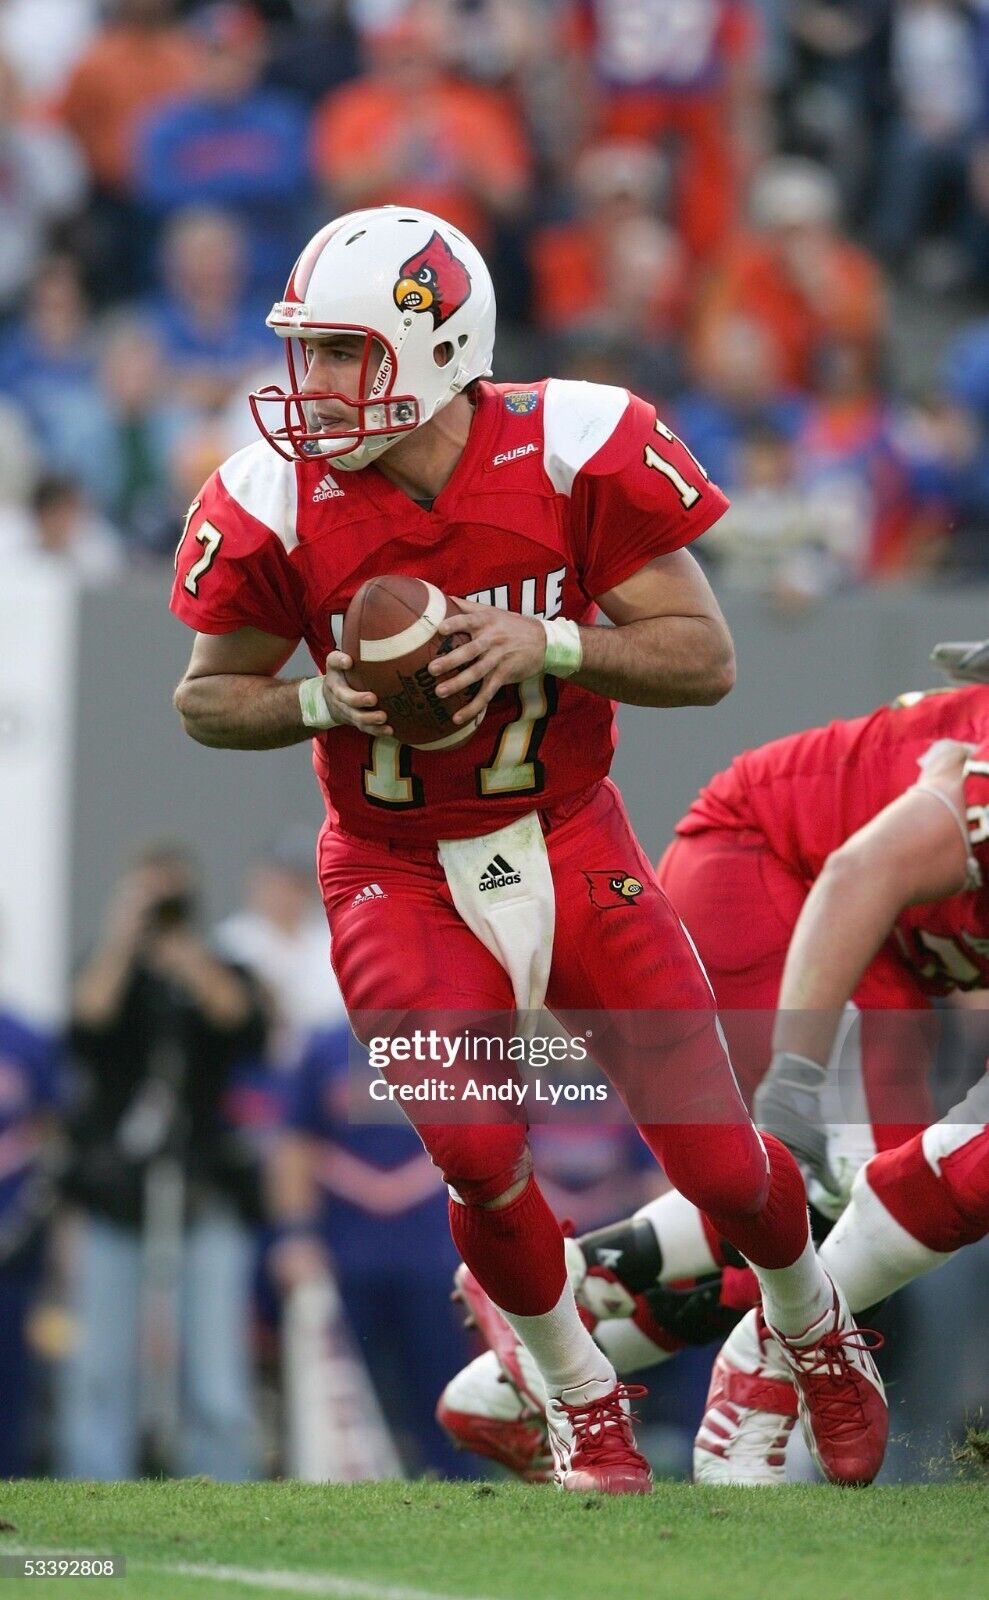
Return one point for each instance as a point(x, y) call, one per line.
point(602, 1429)
point(826, 1365)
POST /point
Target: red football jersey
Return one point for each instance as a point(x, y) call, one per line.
point(563, 491)
point(808, 793)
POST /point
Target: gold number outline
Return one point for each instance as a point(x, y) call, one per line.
point(537, 700)
point(688, 492)
point(211, 539)
point(390, 763)
point(385, 753)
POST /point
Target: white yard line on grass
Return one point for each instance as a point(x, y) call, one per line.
point(310, 1583)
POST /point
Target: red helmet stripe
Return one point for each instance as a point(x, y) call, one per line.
point(298, 283)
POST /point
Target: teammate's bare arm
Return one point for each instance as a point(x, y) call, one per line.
point(913, 852)
point(232, 698)
point(670, 645)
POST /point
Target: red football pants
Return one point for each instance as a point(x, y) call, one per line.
point(618, 951)
point(741, 903)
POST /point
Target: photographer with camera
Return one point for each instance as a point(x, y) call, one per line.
point(167, 1191)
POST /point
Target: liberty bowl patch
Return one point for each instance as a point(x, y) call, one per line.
point(521, 401)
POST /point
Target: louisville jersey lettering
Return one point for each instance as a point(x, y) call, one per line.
point(564, 490)
point(808, 793)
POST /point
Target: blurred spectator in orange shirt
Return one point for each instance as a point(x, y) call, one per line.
point(408, 132)
point(138, 60)
point(798, 276)
point(681, 73)
point(617, 269)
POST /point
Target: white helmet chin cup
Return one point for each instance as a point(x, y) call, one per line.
point(416, 286)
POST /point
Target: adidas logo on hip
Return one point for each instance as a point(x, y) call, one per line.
point(371, 891)
point(498, 874)
point(328, 489)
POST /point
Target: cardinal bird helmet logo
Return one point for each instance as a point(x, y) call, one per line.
point(433, 280)
point(611, 889)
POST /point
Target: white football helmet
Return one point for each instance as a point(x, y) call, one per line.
point(410, 284)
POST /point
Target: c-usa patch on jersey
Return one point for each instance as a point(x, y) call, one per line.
point(521, 402)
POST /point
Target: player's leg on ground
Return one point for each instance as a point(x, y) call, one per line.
point(696, 1124)
point(911, 1209)
point(422, 960)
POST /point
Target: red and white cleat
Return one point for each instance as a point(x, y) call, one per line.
point(750, 1413)
point(482, 1410)
point(841, 1398)
point(593, 1444)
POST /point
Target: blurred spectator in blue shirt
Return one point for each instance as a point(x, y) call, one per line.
point(48, 365)
point(211, 332)
point(966, 384)
point(367, 1202)
point(737, 387)
point(230, 142)
point(30, 1095)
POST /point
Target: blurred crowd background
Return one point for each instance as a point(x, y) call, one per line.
point(771, 218)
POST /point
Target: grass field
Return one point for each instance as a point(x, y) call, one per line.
point(196, 1540)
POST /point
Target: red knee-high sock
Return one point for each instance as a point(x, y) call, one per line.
point(777, 1234)
point(515, 1252)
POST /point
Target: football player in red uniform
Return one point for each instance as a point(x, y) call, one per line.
point(541, 503)
point(837, 873)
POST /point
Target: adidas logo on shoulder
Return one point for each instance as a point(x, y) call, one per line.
point(328, 489)
point(371, 891)
point(498, 874)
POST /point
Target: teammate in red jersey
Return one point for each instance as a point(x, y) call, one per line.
point(544, 502)
point(860, 849)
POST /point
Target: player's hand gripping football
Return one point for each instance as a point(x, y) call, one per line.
point(504, 647)
point(355, 706)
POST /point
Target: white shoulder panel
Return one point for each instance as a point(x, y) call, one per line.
point(579, 418)
point(265, 485)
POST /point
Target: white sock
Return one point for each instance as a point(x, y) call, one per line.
point(628, 1348)
point(869, 1254)
point(564, 1351)
point(795, 1297)
point(680, 1234)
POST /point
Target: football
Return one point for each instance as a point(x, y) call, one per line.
point(390, 633)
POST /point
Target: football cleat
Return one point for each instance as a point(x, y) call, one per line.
point(750, 1412)
point(593, 1444)
point(841, 1399)
point(513, 1357)
point(481, 1410)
